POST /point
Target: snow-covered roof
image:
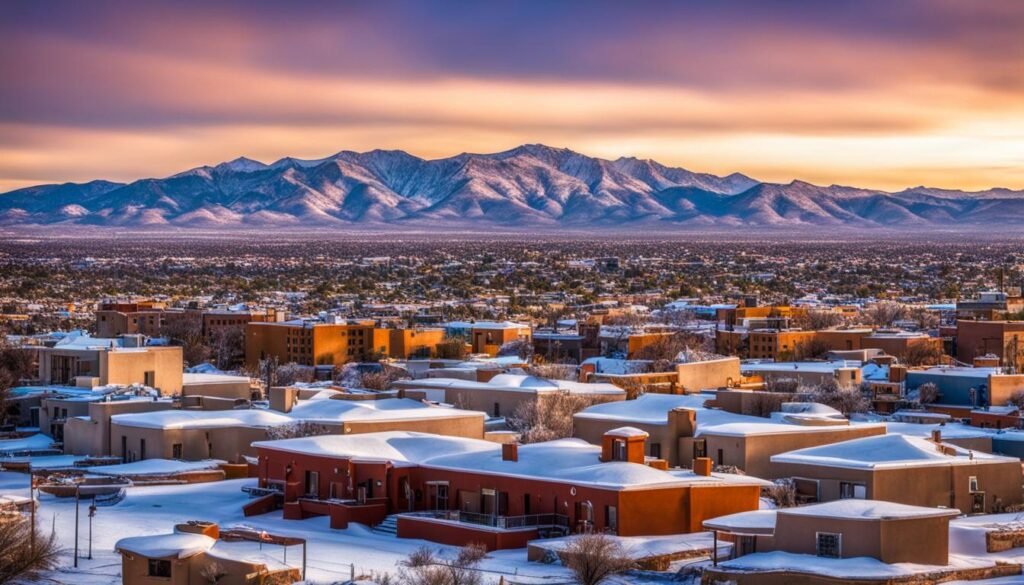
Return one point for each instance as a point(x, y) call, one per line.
point(752, 522)
point(179, 545)
point(202, 419)
point(564, 461)
point(627, 432)
point(647, 408)
point(485, 325)
point(211, 378)
point(513, 383)
point(387, 409)
point(399, 447)
point(886, 452)
point(857, 509)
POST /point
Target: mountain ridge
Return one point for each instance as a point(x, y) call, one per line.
point(530, 186)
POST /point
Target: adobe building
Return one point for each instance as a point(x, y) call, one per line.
point(812, 541)
point(749, 442)
point(406, 344)
point(708, 374)
point(309, 343)
point(185, 556)
point(664, 417)
point(906, 470)
point(89, 362)
point(1002, 339)
point(456, 491)
point(487, 337)
point(503, 394)
point(899, 343)
point(89, 433)
point(228, 434)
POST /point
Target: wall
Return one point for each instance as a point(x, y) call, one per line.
point(228, 444)
point(130, 366)
point(697, 376)
point(753, 453)
point(470, 426)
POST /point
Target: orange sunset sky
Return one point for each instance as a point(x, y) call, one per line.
point(875, 94)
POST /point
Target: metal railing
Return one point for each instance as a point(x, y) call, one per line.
point(495, 521)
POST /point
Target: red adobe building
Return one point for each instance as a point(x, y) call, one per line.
point(456, 491)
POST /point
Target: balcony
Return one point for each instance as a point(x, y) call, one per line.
point(494, 532)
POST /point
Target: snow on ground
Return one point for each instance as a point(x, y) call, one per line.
point(33, 443)
point(863, 567)
point(156, 509)
point(155, 467)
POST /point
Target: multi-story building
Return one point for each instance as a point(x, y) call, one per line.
point(456, 491)
point(309, 343)
point(1002, 339)
point(90, 361)
point(488, 336)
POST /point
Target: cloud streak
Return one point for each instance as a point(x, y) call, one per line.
point(126, 90)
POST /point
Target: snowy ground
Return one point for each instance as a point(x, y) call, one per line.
point(155, 510)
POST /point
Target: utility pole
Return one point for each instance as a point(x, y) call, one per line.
point(77, 494)
point(92, 513)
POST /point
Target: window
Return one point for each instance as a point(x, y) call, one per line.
point(611, 514)
point(829, 544)
point(142, 448)
point(312, 483)
point(700, 448)
point(656, 450)
point(160, 568)
point(176, 451)
point(849, 490)
point(618, 450)
point(149, 379)
point(497, 409)
point(972, 484)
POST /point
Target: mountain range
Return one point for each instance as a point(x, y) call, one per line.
point(531, 186)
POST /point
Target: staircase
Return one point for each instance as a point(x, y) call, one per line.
point(389, 526)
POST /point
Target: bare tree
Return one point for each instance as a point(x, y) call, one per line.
point(424, 567)
point(927, 393)
point(782, 493)
point(813, 349)
point(548, 417)
point(884, 313)
point(296, 430)
point(22, 560)
point(292, 373)
point(16, 364)
point(595, 558)
point(186, 330)
point(664, 352)
point(845, 400)
point(523, 348)
point(923, 353)
point(227, 346)
point(382, 379)
point(816, 320)
point(553, 371)
point(450, 349)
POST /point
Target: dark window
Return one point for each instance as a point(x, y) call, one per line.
point(656, 450)
point(160, 568)
point(618, 450)
point(176, 451)
point(142, 448)
point(829, 544)
point(497, 409)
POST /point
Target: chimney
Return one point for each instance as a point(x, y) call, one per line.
point(702, 466)
point(510, 452)
point(936, 435)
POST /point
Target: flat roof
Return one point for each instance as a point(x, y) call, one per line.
point(887, 452)
point(855, 509)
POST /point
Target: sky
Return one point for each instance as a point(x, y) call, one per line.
point(876, 94)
